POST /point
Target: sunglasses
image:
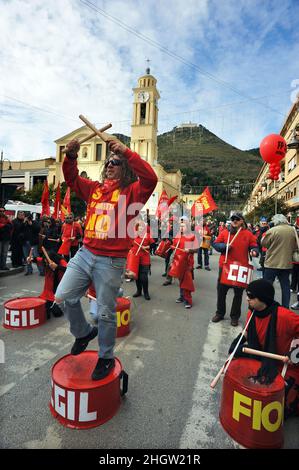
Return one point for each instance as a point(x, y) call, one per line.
point(113, 162)
point(250, 296)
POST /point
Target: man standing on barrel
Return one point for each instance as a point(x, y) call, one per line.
point(127, 179)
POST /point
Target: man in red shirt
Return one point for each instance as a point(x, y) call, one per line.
point(241, 242)
point(72, 233)
point(127, 181)
point(272, 329)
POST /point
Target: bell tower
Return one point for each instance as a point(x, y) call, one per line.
point(145, 118)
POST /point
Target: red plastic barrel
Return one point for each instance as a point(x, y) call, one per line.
point(24, 313)
point(163, 248)
point(132, 266)
point(77, 401)
point(123, 313)
point(251, 413)
point(178, 265)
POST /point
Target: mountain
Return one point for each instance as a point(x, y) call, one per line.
point(201, 151)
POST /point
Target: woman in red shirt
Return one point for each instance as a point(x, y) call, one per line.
point(141, 245)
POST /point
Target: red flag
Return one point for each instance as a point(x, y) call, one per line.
point(204, 204)
point(57, 203)
point(66, 205)
point(45, 200)
point(162, 204)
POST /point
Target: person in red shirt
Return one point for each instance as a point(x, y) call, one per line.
point(71, 233)
point(128, 182)
point(272, 329)
point(241, 243)
point(141, 244)
point(185, 244)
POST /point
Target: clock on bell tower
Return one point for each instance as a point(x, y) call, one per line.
point(145, 118)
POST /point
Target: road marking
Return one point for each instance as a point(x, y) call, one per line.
point(203, 423)
point(6, 388)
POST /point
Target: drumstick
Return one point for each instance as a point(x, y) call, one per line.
point(145, 248)
point(103, 136)
point(256, 352)
point(228, 361)
point(91, 297)
point(90, 136)
point(284, 370)
point(227, 245)
point(140, 246)
point(46, 255)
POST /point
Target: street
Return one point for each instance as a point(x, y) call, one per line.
point(171, 356)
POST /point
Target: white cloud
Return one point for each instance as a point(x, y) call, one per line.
point(67, 59)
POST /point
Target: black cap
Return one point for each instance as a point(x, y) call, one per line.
point(262, 290)
point(237, 214)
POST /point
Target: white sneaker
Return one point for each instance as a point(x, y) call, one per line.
point(295, 306)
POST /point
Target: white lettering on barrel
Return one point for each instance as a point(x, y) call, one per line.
point(59, 406)
point(6, 318)
point(14, 318)
point(32, 320)
point(242, 274)
point(70, 397)
point(24, 318)
point(83, 409)
point(231, 276)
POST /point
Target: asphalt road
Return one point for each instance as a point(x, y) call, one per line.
point(171, 356)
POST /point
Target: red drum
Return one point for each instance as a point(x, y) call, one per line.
point(132, 266)
point(65, 247)
point(163, 248)
point(79, 402)
point(48, 291)
point(178, 265)
point(123, 313)
point(251, 413)
point(24, 313)
point(235, 275)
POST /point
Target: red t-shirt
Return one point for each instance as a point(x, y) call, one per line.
point(145, 259)
point(106, 218)
point(244, 241)
point(187, 242)
point(70, 231)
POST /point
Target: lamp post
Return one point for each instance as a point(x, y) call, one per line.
point(1, 173)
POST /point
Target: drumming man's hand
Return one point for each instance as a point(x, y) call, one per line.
point(72, 149)
point(117, 147)
point(254, 253)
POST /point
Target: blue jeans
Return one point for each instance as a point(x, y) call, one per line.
point(283, 276)
point(105, 273)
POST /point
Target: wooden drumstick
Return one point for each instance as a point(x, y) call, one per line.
point(103, 136)
point(140, 246)
point(90, 136)
point(145, 248)
point(91, 297)
point(228, 361)
point(256, 352)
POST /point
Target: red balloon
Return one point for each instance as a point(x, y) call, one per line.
point(273, 148)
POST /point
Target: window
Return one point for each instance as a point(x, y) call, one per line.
point(292, 164)
point(142, 113)
point(61, 155)
point(99, 152)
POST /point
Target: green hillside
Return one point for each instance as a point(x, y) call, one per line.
point(200, 150)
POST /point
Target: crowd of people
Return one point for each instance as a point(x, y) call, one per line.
point(25, 237)
point(96, 252)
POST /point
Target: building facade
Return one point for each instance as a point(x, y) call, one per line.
point(286, 187)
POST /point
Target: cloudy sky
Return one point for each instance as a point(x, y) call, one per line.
point(231, 66)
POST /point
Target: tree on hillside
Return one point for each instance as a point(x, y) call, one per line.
point(267, 209)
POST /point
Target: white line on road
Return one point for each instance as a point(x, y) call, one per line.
point(203, 427)
point(5, 388)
